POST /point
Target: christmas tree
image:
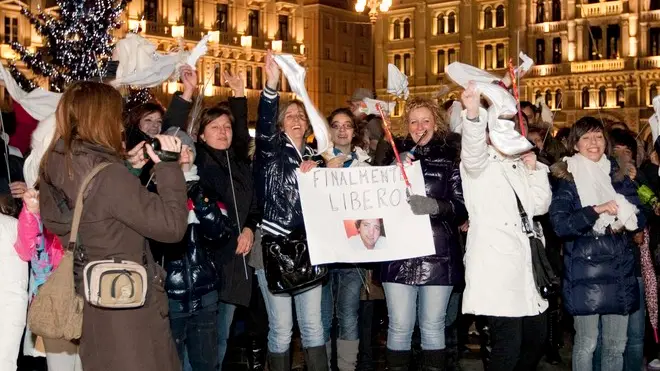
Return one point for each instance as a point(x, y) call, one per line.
point(78, 41)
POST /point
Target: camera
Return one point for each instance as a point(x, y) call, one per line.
point(165, 156)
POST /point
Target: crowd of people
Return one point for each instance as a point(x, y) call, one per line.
point(196, 221)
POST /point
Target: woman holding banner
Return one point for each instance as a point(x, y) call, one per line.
point(426, 280)
point(280, 152)
point(343, 288)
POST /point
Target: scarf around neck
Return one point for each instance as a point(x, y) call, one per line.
point(594, 187)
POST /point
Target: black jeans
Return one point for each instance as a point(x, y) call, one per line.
point(517, 342)
point(197, 333)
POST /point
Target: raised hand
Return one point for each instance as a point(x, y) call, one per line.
point(189, 80)
point(235, 83)
point(471, 101)
point(272, 71)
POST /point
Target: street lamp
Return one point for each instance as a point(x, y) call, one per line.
point(375, 8)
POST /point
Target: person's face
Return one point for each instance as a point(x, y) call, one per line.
point(295, 122)
point(342, 130)
point(591, 145)
point(151, 123)
point(218, 133)
point(536, 139)
point(420, 121)
point(355, 108)
point(370, 232)
point(529, 113)
point(624, 153)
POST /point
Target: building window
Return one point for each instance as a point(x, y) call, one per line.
point(217, 76)
point(406, 28)
point(654, 41)
point(655, 4)
point(556, 10)
point(451, 23)
point(595, 43)
point(653, 91)
point(613, 37)
point(222, 17)
point(488, 55)
point(346, 59)
point(620, 96)
point(556, 50)
point(488, 18)
point(188, 12)
point(440, 24)
point(451, 55)
point(397, 30)
point(499, 55)
point(259, 85)
point(327, 53)
point(499, 16)
point(344, 27)
point(345, 84)
point(441, 61)
point(253, 23)
point(397, 61)
point(248, 77)
point(11, 30)
point(150, 11)
point(548, 98)
point(397, 110)
point(326, 22)
point(362, 31)
point(540, 51)
point(558, 99)
point(283, 22)
point(328, 85)
point(602, 96)
point(540, 12)
point(363, 59)
point(585, 97)
point(406, 64)
point(537, 95)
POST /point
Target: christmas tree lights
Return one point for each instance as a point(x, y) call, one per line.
point(78, 41)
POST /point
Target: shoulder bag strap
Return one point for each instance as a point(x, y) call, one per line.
point(526, 224)
point(77, 212)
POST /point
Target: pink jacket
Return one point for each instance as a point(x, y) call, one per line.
point(28, 237)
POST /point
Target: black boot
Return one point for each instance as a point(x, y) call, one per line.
point(554, 334)
point(316, 358)
point(433, 360)
point(452, 356)
point(397, 360)
point(279, 361)
point(256, 356)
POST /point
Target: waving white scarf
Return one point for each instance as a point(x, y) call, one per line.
point(594, 187)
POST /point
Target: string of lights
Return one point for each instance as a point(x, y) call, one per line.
point(77, 42)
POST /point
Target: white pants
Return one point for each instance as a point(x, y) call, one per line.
point(62, 355)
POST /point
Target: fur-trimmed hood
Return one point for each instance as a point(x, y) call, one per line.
point(560, 170)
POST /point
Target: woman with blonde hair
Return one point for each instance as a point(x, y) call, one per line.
point(419, 288)
point(119, 215)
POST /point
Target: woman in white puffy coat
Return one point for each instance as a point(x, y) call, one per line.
point(498, 264)
point(13, 287)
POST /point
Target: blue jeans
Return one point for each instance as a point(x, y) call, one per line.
point(196, 337)
point(225, 318)
point(280, 317)
point(613, 330)
point(344, 285)
point(633, 356)
point(427, 304)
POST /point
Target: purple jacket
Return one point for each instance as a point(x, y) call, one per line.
point(440, 166)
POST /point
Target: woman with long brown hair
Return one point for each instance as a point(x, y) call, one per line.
point(119, 215)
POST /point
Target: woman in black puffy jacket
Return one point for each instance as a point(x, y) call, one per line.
point(419, 288)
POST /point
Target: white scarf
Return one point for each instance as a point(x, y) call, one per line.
point(594, 187)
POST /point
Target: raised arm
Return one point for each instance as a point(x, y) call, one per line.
point(266, 138)
point(474, 147)
point(239, 109)
point(181, 104)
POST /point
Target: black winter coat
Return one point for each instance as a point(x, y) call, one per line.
point(276, 162)
point(440, 167)
point(191, 269)
point(214, 168)
point(599, 271)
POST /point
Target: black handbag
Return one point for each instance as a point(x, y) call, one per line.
point(287, 264)
point(547, 282)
